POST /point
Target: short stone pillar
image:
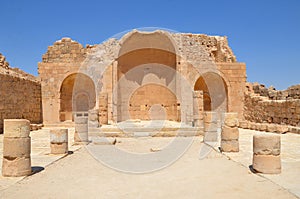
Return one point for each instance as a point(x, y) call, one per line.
point(210, 127)
point(59, 141)
point(94, 118)
point(81, 130)
point(16, 148)
point(198, 108)
point(230, 133)
point(266, 153)
point(103, 108)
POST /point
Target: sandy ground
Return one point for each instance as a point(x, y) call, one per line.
point(80, 175)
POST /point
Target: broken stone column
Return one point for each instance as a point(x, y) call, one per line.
point(103, 108)
point(198, 108)
point(81, 130)
point(230, 133)
point(210, 127)
point(16, 148)
point(94, 118)
point(59, 141)
point(266, 153)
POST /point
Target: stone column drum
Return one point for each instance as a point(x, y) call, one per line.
point(198, 108)
point(103, 108)
point(59, 141)
point(266, 153)
point(210, 127)
point(16, 148)
point(94, 118)
point(81, 130)
point(230, 133)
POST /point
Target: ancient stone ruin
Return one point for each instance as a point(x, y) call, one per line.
point(157, 75)
point(20, 95)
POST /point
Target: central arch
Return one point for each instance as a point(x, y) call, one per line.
point(146, 62)
point(77, 94)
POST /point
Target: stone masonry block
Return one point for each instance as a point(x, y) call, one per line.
point(243, 124)
point(81, 120)
point(16, 167)
point(266, 144)
point(268, 164)
point(210, 136)
point(231, 119)
point(81, 137)
point(58, 135)
point(229, 133)
point(59, 148)
point(16, 128)
point(210, 127)
point(210, 117)
point(16, 147)
point(81, 127)
point(230, 146)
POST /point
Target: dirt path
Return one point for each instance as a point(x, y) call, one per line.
point(80, 176)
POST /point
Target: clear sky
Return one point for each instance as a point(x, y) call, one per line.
point(265, 34)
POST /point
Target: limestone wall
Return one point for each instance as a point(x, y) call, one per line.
point(272, 106)
point(20, 95)
point(196, 55)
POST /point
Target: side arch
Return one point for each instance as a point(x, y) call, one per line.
point(215, 91)
point(77, 93)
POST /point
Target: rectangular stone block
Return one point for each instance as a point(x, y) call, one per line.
point(16, 167)
point(81, 137)
point(211, 117)
point(229, 133)
point(58, 135)
point(230, 146)
point(266, 144)
point(267, 164)
point(210, 136)
point(16, 128)
point(271, 128)
point(81, 128)
point(16, 147)
point(59, 148)
point(243, 124)
point(210, 127)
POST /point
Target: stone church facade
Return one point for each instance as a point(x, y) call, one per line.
point(141, 75)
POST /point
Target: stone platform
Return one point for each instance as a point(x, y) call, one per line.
point(157, 128)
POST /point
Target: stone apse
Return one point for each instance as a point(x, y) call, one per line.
point(141, 75)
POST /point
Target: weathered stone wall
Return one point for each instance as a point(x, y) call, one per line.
point(202, 54)
point(271, 106)
point(196, 55)
point(20, 95)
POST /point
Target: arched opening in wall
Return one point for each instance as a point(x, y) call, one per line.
point(215, 92)
point(81, 102)
point(153, 102)
point(146, 76)
point(77, 94)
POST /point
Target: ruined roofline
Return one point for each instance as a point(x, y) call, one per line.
point(67, 50)
point(6, 69)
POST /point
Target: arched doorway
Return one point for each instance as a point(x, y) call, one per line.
point(146, 68)
point(215, 92)
point(77, 94)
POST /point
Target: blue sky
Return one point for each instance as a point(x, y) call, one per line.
point(265, 34)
